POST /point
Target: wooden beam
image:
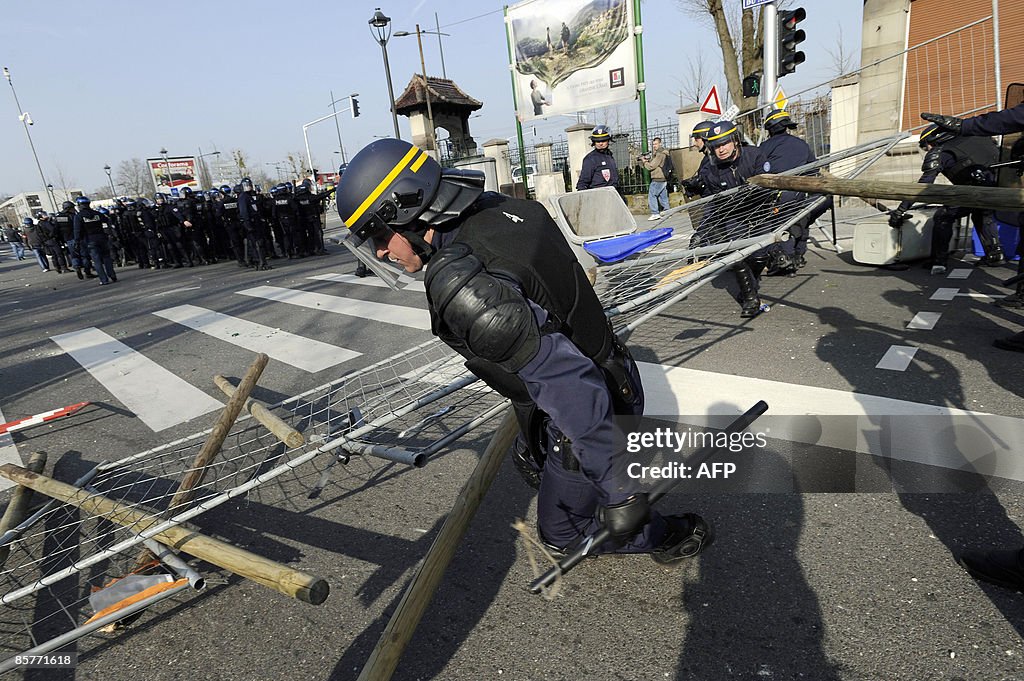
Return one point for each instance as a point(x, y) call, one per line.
point(967, 196)
point(285, 433)
point(291, 582)
point(385, 656)
point(18, 505)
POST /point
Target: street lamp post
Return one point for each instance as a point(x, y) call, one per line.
point(53, 201)
point(305, 135)
point(431, 137)
point(167, 168)
point(26, 120)
point(381, 30)
point(203, 170)
point(113, 192)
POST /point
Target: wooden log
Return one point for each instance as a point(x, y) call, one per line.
point(20, 499)
point(399, 630)
point(214, 441)
point(995, 198)
point(285, 433)
point(289, 581)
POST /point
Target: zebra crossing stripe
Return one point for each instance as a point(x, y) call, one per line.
point(412, 317)
point(408, 283)
point(156, 395)
point(305, 353)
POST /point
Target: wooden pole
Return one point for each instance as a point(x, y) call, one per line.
point(385, 656)
point(19, 502)
point(285, 433)
point(966, 196)
point(291, 582)
point(197, 471)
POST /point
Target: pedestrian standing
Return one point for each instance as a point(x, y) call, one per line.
point(657, 194)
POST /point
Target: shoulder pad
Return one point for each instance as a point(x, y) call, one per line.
point(492, 320)
point(932, 161)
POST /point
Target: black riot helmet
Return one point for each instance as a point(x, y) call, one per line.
point(778, 121)
point(933, 134)
point(82, 201)
point(159, 199)
point(186, 192)
point(392, 186)
point(246, 184)
point(722, 132)
point(225, 189)
point(67, 205)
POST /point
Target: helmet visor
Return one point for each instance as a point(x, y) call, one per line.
point(365, 251)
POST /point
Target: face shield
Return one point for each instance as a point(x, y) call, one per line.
point(363, 245)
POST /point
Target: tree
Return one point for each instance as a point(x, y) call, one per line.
point(297, 163)
point(841, 59)
point(725, 16)
point(241, 162)
point(134, 177)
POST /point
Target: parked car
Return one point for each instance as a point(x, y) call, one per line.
point(517, 175)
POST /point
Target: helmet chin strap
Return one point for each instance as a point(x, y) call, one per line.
point(419, 245)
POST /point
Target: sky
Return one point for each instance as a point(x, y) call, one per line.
point(106, 81)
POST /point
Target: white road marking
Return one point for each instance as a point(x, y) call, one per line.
point(882, 426)
point(401, 315)
point(897, 358)
point(959, 273)
point(175, 290)
point(157, 396)
point(924, 320)
point(408, 283)
point(951, 293)
point(8, 454)
point(305, 353)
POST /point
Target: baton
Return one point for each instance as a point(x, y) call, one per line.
point(593, 541)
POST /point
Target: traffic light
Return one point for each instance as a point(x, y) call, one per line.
point(355, 104)
point(789, 37)
point(752, 85)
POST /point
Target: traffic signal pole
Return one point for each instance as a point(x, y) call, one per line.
point(770, 66)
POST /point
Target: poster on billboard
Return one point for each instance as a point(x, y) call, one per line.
point(571, 55)
point(172, 175)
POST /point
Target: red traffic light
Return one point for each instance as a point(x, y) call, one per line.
point(788, 19)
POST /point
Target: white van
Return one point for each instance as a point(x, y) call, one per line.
point(517, 175)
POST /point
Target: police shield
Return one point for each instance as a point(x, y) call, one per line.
point(389, 272)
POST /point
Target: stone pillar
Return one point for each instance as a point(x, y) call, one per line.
point(544, 162)
point(688, 117)
point(579, 146)
point(498, 150)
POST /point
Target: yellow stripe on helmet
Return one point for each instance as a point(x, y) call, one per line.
point(722, 134)
point(777, 114)
point(928, 132)
point(419, 162)
point(388, 179)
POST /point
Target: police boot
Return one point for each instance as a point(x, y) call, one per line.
point(78, 271)
point(800, 261)
point(1002, 568)
point(1013, 343)
point(1014, 301)
point(780, 263)
point(361, 270)
point(993, 255)
point(750, 304)
point(688, 535)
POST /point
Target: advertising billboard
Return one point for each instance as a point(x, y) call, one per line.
point(172, 175)
point(571, 55)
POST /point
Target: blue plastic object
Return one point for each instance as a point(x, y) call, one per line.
point(621, 247)
point(1008, 236)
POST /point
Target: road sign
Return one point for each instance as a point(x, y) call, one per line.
point(750, 4)
point(780, 100)
point(712, 105)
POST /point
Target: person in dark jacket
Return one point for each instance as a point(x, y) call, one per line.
point(599, 168)
point(505, 291)
point(89, 231)
point(252, 224)
point(51, 241)
point(962, 161)
point(37, 242)
point(785, 152)
point(731, 163)
point(77, 253)
point(14, 239)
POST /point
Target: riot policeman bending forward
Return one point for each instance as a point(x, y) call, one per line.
point(505, 291)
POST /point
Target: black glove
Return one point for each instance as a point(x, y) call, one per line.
point(693, 186)
point(896, 218)
point(625, 519)
point(950, 123)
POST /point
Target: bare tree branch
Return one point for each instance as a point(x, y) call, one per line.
point(134, 177)
point(842, 61)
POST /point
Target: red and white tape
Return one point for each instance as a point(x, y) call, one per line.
point(18, 424)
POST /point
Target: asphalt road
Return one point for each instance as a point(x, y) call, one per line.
point(829, 562)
